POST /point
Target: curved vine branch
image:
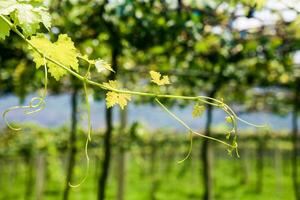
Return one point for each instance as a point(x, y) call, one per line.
point(203, 99)
point(38, 103)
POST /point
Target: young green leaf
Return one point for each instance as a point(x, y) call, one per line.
point(159, 79)
point(113, 98)
point(63, 51)
point(198, 110)
point(4, 29)
point(27, 15)
point(112, 84)
point(102, 65)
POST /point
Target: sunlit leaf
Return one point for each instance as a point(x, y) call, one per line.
point(63, 51)
point(112, 84)
point(25, 15)
point(102, 65)
point(159, 79)
point(113, 98)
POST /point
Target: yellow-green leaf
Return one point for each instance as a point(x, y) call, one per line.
point(198, 110)
point(102, 65)
point(26, 15)
point(4, 29)
point(113, 98)
point(112, 84)
point(159, 79)
point(63, 51)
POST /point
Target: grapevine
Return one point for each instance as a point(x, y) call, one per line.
point(61, 58)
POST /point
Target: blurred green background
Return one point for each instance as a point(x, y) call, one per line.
point(246, 52)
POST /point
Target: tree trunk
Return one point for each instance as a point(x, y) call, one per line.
point(107, 154)
point(122, 156)
point(260, 164)
point(179, 6)
point(40, 176)
point(206, 150)
point(206, 157)
point(29, 177)
point(107, 136)
point(72, 143)
point(295, 172)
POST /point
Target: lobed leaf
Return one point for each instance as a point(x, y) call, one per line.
point(159, 79)
point(26, 14)
point(113, 98)
point(62, 51)
point(112, 84)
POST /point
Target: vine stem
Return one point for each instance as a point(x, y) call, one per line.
point(203, 99)
point(189, 128)
point(88, 81)
point(35, 102)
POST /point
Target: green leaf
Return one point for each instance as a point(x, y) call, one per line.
point(198, 110)
point(27, 15)
point(112, 84)
point(157, 78)
point(113, 98)
point(4, 29)
point(7, 6)
point(102, 65)
point(62, 51)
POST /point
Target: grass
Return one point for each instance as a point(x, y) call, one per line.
point(157, 177)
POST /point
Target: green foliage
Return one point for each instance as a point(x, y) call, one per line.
point(112, 84)
point(26, 14)
point(4, 29)
point(158, 79)
point(195, 47)
point(62, 51)
point(113, 98)
point(198, 110)
point(100, 64)
point(116, 98)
